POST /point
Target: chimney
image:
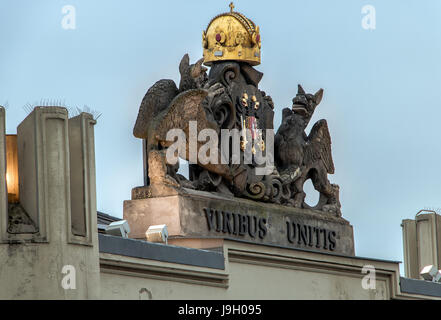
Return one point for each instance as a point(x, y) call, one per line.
point(421, 242)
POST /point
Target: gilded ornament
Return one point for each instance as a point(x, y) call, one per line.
point(231, 36)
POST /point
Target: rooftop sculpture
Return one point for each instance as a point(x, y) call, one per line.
point(228, 98)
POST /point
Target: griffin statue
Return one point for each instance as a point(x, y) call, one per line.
point(228, 98)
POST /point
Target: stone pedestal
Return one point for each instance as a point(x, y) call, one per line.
point(191, 214)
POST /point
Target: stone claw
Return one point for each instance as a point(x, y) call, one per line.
point(171, 181)
point(216, 90)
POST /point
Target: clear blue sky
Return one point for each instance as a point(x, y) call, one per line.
point(382, 87)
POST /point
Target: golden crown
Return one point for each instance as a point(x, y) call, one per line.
point(231, 36)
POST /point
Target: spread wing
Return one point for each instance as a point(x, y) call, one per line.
point(319, 146)
point(187, 106)
point(157, 99)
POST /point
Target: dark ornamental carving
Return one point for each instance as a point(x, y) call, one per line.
point(300, 157)
point(228, 98)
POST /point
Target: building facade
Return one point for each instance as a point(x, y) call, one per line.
point(53, 244)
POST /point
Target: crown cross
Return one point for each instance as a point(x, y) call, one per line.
point(231, 6)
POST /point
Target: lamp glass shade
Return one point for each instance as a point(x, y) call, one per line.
point(12, 168)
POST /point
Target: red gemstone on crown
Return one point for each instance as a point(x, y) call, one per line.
point(258, 38)
point(218, 37)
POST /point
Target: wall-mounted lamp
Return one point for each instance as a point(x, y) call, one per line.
point(431, 273)
point(157, 233)
point(118, 228)
point(12, 168)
